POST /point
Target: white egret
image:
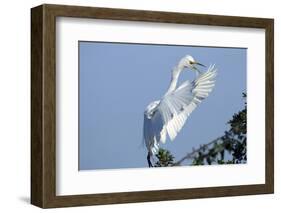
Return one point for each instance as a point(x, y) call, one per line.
point(168, 115)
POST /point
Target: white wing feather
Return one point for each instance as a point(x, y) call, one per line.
point(169, 115)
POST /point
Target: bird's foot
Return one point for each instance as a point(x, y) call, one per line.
point(149, 161)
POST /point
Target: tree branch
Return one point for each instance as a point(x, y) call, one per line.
point(195, 151)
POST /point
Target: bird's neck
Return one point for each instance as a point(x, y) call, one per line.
point(174, 79)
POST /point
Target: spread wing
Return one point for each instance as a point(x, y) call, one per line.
point(170, 114)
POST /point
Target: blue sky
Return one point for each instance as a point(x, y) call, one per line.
point(117, 82)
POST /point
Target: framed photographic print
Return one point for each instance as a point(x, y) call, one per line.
point(136, 106)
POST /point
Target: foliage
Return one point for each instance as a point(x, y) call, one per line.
point(233, 142)
point(165, 158)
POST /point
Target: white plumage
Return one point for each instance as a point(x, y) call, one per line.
point(168, 115)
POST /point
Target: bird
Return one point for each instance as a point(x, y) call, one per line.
point(168, 115)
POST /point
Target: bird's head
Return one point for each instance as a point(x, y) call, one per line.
point(189, 62)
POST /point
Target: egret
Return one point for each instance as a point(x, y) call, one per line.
point(168, 115)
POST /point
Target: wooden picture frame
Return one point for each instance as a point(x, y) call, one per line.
point(43, 105)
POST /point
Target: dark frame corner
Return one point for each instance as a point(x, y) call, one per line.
point(43, 102)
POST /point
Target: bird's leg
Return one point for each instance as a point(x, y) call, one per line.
point(148, 160)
